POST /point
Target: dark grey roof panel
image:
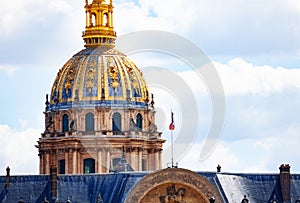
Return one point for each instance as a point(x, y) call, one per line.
point(86, 188)
point(295, 187)
point(31, 188)
point(258, 188)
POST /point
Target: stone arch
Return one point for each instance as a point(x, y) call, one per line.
point(65, 122)
point(93, 19)
point(116, 122)
point(139, 122)
point(180, 184)
point(89, 122)
point(105, 19)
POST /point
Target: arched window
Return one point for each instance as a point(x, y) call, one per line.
point(105, 20)
point(89, 166)
point(89, 122)
point(116, 122)
point(139, 122)
point(65, 123)
point(93, 22)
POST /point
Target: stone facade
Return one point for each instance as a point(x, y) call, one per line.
point(69, 150)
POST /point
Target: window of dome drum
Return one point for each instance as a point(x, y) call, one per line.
point(89, 122)
point(65, 123)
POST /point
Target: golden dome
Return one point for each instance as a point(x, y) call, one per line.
point(99, 76)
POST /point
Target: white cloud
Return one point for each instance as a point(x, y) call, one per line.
point(8, 69)
point(241, 77)
point(59, 6)
point(262, 119)
point(17, 16)
point(253, 155)
point(222, 155)
point(18, 151)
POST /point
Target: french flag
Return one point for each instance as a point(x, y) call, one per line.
point(172, 124)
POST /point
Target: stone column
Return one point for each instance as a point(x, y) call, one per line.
point(74, 161)
point(156, 167)
point(99, 161)
point(109, 19)
point(79, 168)
point(47, 162)
point(134, 163)
point(107, 161)
point(42, 162)
point(67, 161)
point(87, 19)
point(151, 160)
point(140, 155)
point(159, 155)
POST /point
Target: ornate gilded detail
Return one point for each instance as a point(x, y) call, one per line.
point(132, 76)
point(113, 74)
point(99, 24)
point(90, 82)
point(58, 81)
point(58, 76)
point(90, 76)
point(173, 195)
point(71, 76)
point(94, 76)
point(113, 52)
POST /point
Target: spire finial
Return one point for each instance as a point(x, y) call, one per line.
point(99, 28)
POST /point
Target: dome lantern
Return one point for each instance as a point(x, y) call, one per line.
point(99, 24)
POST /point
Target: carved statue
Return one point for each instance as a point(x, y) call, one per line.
point(73, 125)
point(114, 74)
point(49, 124)
point(90, 82)
point(152, 127)
point(173, 196)
point(132, 125)
point(245, 200)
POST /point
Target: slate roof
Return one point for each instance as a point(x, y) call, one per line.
point(114, 187)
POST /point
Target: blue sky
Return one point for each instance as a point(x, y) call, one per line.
point(254, 46)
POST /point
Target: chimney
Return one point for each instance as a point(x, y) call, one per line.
point(53, 181)
point(285, 182)
point(7, 177)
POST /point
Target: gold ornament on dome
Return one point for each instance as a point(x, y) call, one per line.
point(90, 76)
point(113, 73)
point(90, 82)
point(71, 75)
point(132, 76)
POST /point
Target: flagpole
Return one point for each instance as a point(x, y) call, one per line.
point(171, 128)
point(172, 148)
